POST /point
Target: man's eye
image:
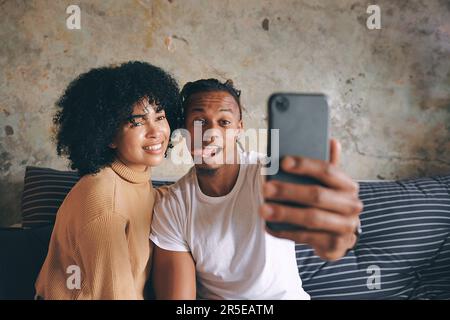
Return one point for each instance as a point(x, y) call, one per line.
point(199, 122)
point(161, 118)
point(225, 122)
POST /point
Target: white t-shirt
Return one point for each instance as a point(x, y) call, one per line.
point(235, 258)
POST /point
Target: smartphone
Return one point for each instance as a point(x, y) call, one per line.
point(302, 121)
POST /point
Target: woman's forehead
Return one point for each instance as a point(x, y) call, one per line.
point(144, 106)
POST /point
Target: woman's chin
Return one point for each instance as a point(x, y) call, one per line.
point(155, 161)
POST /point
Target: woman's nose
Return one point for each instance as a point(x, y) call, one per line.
point(153, 131)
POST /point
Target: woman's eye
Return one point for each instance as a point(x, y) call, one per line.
point(225, 122)
point(161, 117)
point(136, 124)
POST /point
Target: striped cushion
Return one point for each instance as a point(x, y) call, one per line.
point(44, 191)
point(405, 245)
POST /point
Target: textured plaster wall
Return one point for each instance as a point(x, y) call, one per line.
point(389, 89)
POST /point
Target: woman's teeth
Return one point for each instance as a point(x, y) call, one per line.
point(154, 147)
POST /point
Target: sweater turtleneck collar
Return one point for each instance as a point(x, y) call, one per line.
point(129, 174)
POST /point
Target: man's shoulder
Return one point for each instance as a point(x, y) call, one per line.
point(178, 191)
point(253, 161)
point(253, 158)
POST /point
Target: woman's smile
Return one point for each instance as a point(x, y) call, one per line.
point(154, 148)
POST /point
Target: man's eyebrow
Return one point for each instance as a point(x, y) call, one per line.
point(200, 109)
point(197, 109)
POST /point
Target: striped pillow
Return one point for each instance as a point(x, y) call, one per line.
point(403, 253)
point(44, 191)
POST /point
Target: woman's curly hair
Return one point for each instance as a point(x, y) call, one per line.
point(96, 104)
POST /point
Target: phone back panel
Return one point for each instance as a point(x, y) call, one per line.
point(303, 124)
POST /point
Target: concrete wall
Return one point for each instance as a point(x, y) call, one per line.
point(389, 88)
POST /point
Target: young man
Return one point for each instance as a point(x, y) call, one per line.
point(210, 240)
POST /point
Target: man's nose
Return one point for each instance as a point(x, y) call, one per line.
point(212, 134)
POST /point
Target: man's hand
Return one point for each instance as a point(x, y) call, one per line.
point(332, 211)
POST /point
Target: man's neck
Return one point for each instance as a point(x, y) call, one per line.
point(219, 182)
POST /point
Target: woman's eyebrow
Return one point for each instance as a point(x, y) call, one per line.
point(134, 116)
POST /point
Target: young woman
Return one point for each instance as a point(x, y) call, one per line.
point(113, 124)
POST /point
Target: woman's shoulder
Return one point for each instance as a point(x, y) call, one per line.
point(94, 192)
point(91, 199)
point(97, 182)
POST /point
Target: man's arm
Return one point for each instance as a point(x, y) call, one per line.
point(173, 275)
point(333, 209)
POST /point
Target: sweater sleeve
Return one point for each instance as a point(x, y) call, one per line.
point(105, 259)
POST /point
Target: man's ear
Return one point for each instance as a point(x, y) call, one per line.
point(241, 125)
point(239, 129)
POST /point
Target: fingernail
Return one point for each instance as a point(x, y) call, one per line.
point(288, 163)
point(267, 211)
point(269, 190)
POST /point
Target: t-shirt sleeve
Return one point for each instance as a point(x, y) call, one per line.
point(168, 224)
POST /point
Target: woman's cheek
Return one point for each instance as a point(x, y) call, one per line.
point(166, 129)
point(137, 136)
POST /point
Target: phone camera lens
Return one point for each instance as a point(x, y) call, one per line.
point(282, 103)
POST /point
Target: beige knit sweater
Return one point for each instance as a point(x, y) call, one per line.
point(100, 247)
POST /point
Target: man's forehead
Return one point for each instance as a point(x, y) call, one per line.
point(212, 99)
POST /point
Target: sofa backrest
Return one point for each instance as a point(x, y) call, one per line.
point(44, 191)
point(404, 251)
